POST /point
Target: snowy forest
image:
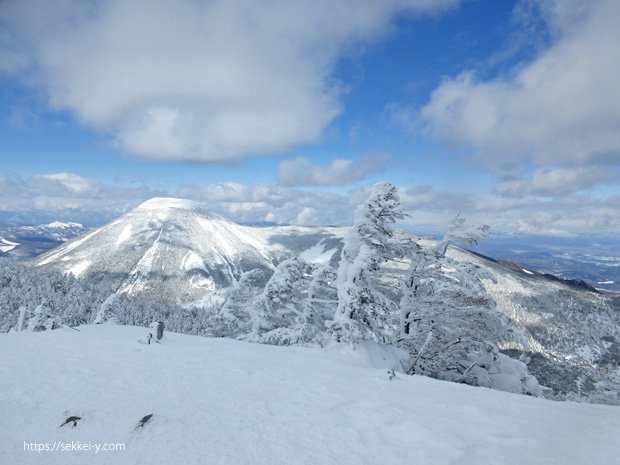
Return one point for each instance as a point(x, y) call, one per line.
point(437, 317)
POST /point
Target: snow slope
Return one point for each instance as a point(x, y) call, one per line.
point(171, 250)
point(7, 245)
point(219, 401)
point(567, 335)
point(570, 336)
point(176, 251)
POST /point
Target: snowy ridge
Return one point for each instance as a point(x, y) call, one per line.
point(138, 276)
point(225, 402)
point(23, 241)
point(61, 252)
point(565, 332)
point(7, 245)
point(61, 225)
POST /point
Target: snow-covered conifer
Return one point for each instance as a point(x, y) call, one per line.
point(107, 310)
point(278, 307)
point(233, 318)
point(450, 324)
point(318, 308)
point(363, 312)
point(42, 320)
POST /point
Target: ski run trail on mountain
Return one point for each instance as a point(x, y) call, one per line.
point(221, 401)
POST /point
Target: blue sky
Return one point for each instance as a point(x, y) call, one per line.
point(505, 111)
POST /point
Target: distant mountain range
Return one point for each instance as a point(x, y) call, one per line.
point(27, 241)
point(595, 260)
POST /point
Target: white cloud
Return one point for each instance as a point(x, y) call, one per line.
point(11, 185)
point(276, 204)
point(430, 210)
point(210, 80)
point(303, 172)
point(562, 108)
point(61, 195)
point(551, 182)
point(73, 197)
point(65, 185)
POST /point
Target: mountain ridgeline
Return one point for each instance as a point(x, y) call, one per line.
point(171, 259)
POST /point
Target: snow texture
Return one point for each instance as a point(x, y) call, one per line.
point(318, 254)
point(225, 402)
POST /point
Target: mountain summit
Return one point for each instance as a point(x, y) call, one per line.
point(174, 250)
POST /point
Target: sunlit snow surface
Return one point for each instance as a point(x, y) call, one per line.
point(7, 245)
point(219, 401)
point(79, 268)
point(318, 254)
point(125, 235)
point(161, 203)
point(176, 251)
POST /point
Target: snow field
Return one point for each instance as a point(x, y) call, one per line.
point(221, 401)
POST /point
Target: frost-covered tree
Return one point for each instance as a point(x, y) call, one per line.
point(363, 312)
point(318, 308)
point(449, 323)
point(426, 268)
point(71, 301)
point(277, 309)
point(108, 310)
point(233, 318)
point(42, 319)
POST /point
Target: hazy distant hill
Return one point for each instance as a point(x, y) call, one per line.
point(26, 241)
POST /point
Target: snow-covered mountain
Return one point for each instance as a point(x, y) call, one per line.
point(56, 230)
point(6, 245)
point(568, 334)
point(25, 241)
point(226, 402)
point(176, 251)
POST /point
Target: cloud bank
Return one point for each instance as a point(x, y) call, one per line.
point(67, 196)
point(71, 197)
point(557, 115)
point(199, 80)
